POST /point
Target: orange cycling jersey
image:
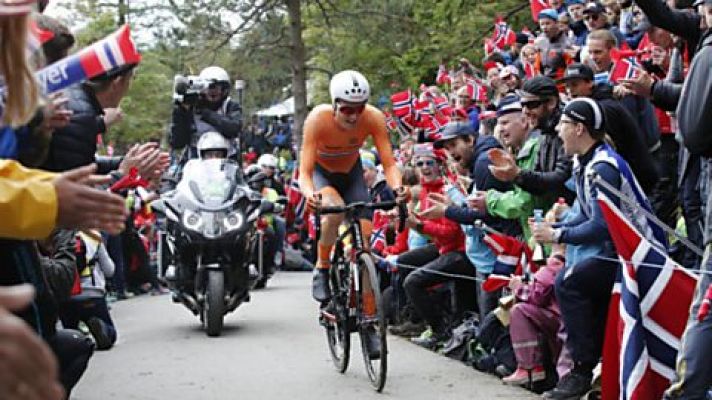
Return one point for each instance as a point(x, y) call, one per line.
point(336, 149)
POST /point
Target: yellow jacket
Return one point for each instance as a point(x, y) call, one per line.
point(28, 202)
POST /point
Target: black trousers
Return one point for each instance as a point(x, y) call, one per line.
point(416, 286)
point(583, 292)
point(73, 351)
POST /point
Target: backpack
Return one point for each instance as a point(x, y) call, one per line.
point(459, 344)
point(495, 346)
point(85, 268)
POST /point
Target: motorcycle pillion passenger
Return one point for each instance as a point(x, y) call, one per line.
point(213, 110)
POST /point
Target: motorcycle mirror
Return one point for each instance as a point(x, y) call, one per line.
point(196, 192)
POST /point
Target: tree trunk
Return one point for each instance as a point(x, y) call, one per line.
point(122, 8)
point(299, 74)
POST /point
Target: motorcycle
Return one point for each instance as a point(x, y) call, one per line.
point(205, 245)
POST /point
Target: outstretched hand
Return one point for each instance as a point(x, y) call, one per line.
point(81, 206)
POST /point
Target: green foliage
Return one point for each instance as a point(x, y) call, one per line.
point(395, 43)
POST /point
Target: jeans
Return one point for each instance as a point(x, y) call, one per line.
point(75, 310)
point(417, 283)
point(583, 292)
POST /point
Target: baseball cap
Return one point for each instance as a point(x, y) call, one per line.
point(509, 70)
point(572, 2)
point(577, 71)
point(453, 130)
point(586, 111)
point(509, 104)
point(549, 13)
point(539, 86)
point(594, 8)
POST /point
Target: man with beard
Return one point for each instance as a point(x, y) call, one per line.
point(215, 111)
point(541, 105)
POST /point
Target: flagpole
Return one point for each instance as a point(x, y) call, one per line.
point(596, 179)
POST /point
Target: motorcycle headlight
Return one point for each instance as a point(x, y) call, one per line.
point(233, 221)
point(192, 220)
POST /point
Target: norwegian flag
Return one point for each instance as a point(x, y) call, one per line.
point(442, 105)
point(647, 315)
point(537, 6)
point(296, 202)
point(477, 91)
point(513, 256)
point(406, 125)
point(421, 108)
point(378, 236)
point(435, 126)
point(625, 68)
point(116, 50)
point(402, 103)
point(443, 76)
point(503, 36)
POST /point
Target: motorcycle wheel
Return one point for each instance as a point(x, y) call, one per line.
point(214, 303)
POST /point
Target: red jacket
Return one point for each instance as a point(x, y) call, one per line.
point(401, 244)
point(446, 234)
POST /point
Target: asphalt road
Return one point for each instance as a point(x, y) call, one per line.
point(272, 348)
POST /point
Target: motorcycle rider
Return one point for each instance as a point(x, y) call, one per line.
point(214, 111)
point(210, 146)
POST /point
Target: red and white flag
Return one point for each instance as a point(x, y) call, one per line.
point(647, 314)
point(503, 36)
point(537, 6)
point(402, 103)
point(625, 68)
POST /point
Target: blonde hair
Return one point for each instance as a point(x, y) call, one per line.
point(21, 91)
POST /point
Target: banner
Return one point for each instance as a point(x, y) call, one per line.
point(116, 50)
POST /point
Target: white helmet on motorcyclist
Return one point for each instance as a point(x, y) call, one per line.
point(349, 86)
point(212, 145)
point(215, 74)
point(267, 161)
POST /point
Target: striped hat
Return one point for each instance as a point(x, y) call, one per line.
point(16, 7)
point(587, 112)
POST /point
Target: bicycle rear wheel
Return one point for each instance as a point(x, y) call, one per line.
point(376, 323)
point(335, 318)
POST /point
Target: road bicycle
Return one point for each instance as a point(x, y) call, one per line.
point(353, 280)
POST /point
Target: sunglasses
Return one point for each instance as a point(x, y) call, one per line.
point(351, 110)
point(532, 103)
point(591, 17)
point(426, 163)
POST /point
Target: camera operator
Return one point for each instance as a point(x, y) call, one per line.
point(203, 106)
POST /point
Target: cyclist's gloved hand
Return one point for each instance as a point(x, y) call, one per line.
point(402, 194)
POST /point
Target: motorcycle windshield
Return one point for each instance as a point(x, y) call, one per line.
point(210, 182)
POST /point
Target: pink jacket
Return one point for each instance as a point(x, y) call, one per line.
point(540, 292)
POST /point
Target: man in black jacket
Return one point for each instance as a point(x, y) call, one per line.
point(540, 100)
point(622, 128)
point(693, 100)
point(95, 106)
point(214, 111)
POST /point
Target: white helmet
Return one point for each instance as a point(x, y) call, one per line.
point(212, 141)
point(267, 161)
point(349, 86)
point(215, 74)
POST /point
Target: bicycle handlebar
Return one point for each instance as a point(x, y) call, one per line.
point(384, 205)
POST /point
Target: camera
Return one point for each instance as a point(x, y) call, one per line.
point(187, 89)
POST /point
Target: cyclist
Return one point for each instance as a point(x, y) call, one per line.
point(330, 170)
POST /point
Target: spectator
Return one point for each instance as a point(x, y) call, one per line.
point(376, 182)
point(470, 151)
point(621, 126)
point(553, 41)
point(446, 254)
point(578, 26)
point(595, 17)
point(510, 78)
point(584, 290)
point(542, 106)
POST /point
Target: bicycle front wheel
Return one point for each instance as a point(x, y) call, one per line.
point(372, 326)
point(335, 320)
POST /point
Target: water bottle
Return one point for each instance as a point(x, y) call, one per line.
point(538, 255)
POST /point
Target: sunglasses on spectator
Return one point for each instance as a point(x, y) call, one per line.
point(591, 17)
point(426, 163)
point(351, 110)
point(532, 103)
